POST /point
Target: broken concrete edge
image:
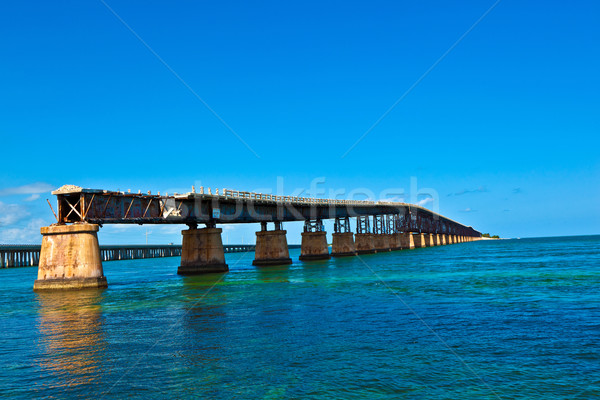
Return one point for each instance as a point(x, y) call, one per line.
point(74, 228)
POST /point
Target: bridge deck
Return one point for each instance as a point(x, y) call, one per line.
point(76, 204)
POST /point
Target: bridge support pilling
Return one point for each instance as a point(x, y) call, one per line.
point(419, 239)
point(381, 242)
point(314, 246)
point(430, 240)
point(364, 243)
point(70, 258)
point(394, 239)
point(271, 248)
point(202, 252)
point(406, 240)
point(343, 244)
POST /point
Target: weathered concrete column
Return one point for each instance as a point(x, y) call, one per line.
point(364, 243)
point(395, 242)
point(444, 239)
point(343, 244)
point(381, 241)
point(202, 252)
point(419, 239)
point(314, 246)
point(271, 248)
point(430, 240)
point(70, 258)
point(406, 240)
point(437, 239)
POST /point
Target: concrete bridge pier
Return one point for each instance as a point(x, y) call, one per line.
point(70, 258)
point(314, 242)
point(343, 244)
point(381, 242)
point(271, 247)
point(430, 240)
point(419, 240)
point(343, 239)
point(202, 251)
point(443, 240)
point(406, 240)
point(395, 242)
point(436, 240)
point(364, 243)
point(392, 226)
point(363, 239)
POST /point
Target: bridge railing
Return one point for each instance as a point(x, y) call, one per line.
point(236, 194)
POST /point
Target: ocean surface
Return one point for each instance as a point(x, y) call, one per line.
point(509, 319)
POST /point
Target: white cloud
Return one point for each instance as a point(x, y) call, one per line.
point(397, 199)
point(11, 213)
point(33, 197)
point(30, 233)
point(425, 201)
point(32, 188)
point(468, 209)
point(480, 189)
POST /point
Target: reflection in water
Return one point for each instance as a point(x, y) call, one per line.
point(71, 341)
point(275, 273)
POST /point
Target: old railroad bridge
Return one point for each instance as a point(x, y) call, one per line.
point(70, 254)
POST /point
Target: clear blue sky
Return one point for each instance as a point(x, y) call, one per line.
point(504, 128)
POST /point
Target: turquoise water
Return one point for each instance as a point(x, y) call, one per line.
point(512, 319)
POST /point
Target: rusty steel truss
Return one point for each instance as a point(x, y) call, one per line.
point(94, 206)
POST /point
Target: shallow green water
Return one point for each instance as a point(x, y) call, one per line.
point(514, 319)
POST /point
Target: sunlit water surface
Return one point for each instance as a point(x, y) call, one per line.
point(513, 319)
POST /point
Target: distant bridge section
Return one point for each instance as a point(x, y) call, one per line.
point(28, 255)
